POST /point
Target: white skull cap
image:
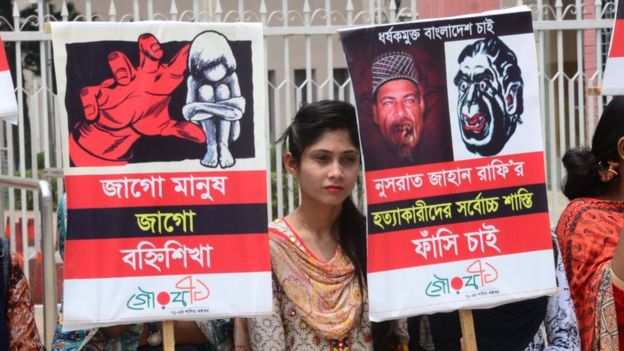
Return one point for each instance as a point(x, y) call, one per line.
point(391, 66)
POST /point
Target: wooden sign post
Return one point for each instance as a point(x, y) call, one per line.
point(469, 338)
point(168, 336)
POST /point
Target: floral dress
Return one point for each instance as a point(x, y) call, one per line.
point(23, 334)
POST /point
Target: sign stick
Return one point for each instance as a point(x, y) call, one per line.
point(168, 337)
point(469, 338)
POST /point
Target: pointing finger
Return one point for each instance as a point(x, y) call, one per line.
point(173, 72)
point(121, 67)
point(177, 65)
point(88, 96)
point(150, 52)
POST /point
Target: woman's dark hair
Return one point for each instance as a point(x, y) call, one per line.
point(310, 123)
point(582, 164)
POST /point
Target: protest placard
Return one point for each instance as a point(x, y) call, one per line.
point(8, 104)
point(614, 70)
point(449, 120)
point(165, 166)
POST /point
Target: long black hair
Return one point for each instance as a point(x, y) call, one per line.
point(583, 164)
point(310, 123)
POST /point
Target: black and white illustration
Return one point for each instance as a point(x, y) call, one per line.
point(490, 111)
point(214, 96)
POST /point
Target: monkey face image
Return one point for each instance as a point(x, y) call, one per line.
point(489, 104)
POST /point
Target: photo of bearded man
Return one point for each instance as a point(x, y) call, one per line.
point(404, 121)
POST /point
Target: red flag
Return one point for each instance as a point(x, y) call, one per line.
point(4, 64)
point(612, 83)
point(617, 41)
point(8, 104)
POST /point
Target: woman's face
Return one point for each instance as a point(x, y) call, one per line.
point(328, 169)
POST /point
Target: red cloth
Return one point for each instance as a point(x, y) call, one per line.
point(588, 232)
point(4, 65)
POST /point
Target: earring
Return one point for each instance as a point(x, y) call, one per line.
point(607, 175)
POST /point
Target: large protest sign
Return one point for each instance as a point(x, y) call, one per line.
point(8, 103)
point(612, 83)
point(165, 166)
point(449, 120)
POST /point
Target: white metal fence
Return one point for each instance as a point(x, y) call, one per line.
point(305, 63)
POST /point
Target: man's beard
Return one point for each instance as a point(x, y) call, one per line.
point(405, 139)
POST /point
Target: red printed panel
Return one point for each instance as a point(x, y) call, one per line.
point(4, 65)
point(155, 256)
point(456, 242)
point(617, 42)
point(166, 189)
point(452, 177)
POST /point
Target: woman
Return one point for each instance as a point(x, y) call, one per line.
point(589, 231)
point(318, 251)
point(208, 335)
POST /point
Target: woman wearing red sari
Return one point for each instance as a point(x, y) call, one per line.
point(589, 232)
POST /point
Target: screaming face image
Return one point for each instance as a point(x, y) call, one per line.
point(398, 113)
point(489, 104)
point(398, 103)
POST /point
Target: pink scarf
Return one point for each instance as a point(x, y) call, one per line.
point(326, 294)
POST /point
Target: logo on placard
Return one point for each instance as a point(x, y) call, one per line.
point(187, 291)
point(476, 277)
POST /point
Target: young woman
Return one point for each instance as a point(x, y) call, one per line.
point(590, 230)
point(318, 252)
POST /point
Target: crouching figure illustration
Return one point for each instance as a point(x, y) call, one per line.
point(214, 96)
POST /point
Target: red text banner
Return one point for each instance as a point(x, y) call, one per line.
point(456, 242)
point(166, 189)
point(153, 256)
point(478, 174)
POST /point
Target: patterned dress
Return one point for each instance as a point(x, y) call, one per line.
point(588, 232)
point(289, 328)
point(559, 332)
point(218, 333)
point(23, 334)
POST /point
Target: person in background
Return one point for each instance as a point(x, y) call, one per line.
point(542, 324)
point(18, 330)
point(204, 335)
point(318, 252)
point(590, 229)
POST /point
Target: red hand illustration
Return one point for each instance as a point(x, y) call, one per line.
point(131, 104)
